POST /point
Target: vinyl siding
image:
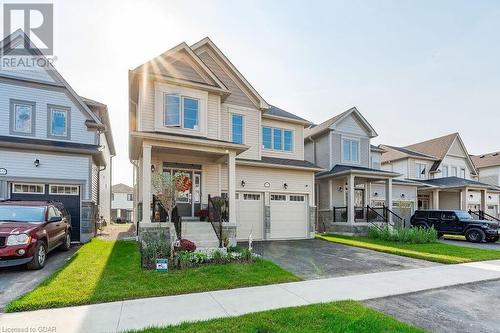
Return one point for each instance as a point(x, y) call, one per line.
point(182, 69)
point(251, 131)
point(456, 149)
point(146, 105)
point(322, 151)
point(94, 183)
point(42, 97)
point(449, 200)
point(39, 74)
point(336, 150)
point(298, 140)
point(352, 126)
point(458, 162)
point(412, 168)
point(19, 165)
point(400, 166)
point(309, 151)
point(410, 192)
point(490, 175)
point(213, 117)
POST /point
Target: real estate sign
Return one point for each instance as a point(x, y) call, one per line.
point(162, 265)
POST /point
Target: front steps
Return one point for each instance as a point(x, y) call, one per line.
point(202, 234)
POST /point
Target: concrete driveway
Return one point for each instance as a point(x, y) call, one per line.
point(460, 242)
point(316, 259)
point(16, 281)
point(467, 308)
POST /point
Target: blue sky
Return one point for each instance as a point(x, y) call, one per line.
point(415, 69)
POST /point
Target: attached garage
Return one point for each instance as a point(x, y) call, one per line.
point(250, 215)
point(69, 195)
point(289, 216)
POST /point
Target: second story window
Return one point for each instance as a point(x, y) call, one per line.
point(350, 150)
point(445, 171)
point(130, 197)
point(181, 111)
point(58, 122)
point(278, 139)
point(454, 172)
point(420, 170)
point(462, 172)
point(237, 128)
point(22, 117)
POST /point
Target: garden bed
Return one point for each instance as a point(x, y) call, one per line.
point(105, 271)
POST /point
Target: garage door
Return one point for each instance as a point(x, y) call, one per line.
point(69, 195)
point(288, 216)
point(249, 215)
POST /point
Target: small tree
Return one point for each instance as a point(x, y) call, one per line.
point(166, 187)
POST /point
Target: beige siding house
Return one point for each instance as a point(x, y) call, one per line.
point(488, 167)
point(191, 110)
point(446, 174)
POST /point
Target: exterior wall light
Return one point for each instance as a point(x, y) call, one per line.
point(37, 163)
point(153, 168)
point(402, 195)
point(471, 196)
point(340, 189)
point(267, 184)
point(375, 194)
point(285, 186)
point(243, 183)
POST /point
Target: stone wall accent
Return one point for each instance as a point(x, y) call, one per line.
point(348, 229)
point(88, 221)
point(312, 218)
point(229, 231)
point(267, 221)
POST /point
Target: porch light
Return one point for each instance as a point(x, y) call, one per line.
point(285, 186)
point(153, 168)
point(471, 196)
point(402, 195)
point(243, 183)
point(37, 163)
point(375, 194)
point(489, 197)
point(340, 189)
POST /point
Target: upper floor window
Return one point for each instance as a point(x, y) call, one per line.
point(58, 121)
point(375, 164)
point(350, 150)
point(462, 172)
point(237, 128)
point(420, 170)
point(130, 197)
point(22, 117)
point(445, 171)
point(277, 139)
point(181, 111)
point(454, 172)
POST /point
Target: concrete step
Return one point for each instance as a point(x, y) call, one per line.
point(201, 233)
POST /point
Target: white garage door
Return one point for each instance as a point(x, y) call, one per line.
point(288, 216)
point(250, 215)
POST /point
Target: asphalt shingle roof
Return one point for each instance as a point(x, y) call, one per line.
point(276, 111)
point(451, 182)
point(341, 168)
point(121, 188)
point(486, 160)
point(282, 161)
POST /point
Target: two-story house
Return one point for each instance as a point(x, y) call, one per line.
point(191, 110)
point(54, 144)
point(446, 175)
point(488, 167)
point(353, 186)
point(122, 203)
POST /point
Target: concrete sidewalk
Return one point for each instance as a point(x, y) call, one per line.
point(141, 313)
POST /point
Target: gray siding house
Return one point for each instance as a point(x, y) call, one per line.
point(54, 144)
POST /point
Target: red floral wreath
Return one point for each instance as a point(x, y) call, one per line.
point(183, 183)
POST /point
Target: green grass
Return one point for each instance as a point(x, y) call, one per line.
point(341, 317)
point(104, 271)
point(438, 252)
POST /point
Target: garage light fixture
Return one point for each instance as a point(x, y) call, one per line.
point(402, 195)
point(267, 184)
point(153, 168)
point(489, 197)
point(243, 183)
point(471, 196)
point(375, 194)
point(37, 163)
point(285, 186)
point(340, 189)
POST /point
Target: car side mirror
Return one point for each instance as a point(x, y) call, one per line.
point(55, 219)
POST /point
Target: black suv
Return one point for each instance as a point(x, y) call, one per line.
point(456, 222)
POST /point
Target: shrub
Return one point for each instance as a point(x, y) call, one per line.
point(404, 235)
point(154, 247)
point(185, 245)
point(203, 214)
point(234, 248)
point(371, 215)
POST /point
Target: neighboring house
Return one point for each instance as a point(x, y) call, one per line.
point(353, 178)
point(54, 144)
point(122, 203)
point(446, 174)
point(488, 167)
point(191, 110)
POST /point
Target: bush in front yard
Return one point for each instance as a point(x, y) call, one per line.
point(404, 235)
point(154, 247)
point(185, 245)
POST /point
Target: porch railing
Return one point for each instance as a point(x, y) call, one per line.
point(482, 215)
point(218, 212)
point(373, 215)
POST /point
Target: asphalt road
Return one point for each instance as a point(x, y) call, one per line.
point(459, 242)
point(16, 281)
point(460, 309)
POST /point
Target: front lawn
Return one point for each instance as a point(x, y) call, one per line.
point(438, 252)
point(105, 271)
point(341, 317)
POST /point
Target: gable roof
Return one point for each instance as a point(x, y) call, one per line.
point(455, 182)
point(324, 126)
point(274, 111)
point(162, 65)
point(19, 34)
point(437, 147)
point(105, 120)
point(486, 160)
point(208, 42)
point(393, 153)
point(121, 188)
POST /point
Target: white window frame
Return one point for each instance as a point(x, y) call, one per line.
point(58, 108)
point(283, 129)
point(131, 196)
point(350, 139)
point(243, 121)
point(278, 197)
point(64, 186)
point(28, 184)
point(252, 196)
point(418, 171)
point(454, 171)
point(296, 196)
point(180, 125)
point(462, 170)
point(445, 167)
point(32, 106)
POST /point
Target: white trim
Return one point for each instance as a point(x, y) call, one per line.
point(27, 184)
point(64, 185)
point(350, 138)
point(243, 126)
point(181, 124)
point(283, 129)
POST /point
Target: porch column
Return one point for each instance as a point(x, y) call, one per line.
point(231, 168)
point(146, 184)
point(435, 199)
point(464, 196)
point(368, 193)
point(388, 198)
point(484, 195)
point(350, 199)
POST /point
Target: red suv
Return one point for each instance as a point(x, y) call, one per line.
point(29, 230)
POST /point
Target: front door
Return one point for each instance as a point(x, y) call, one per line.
point(359, 203)
point(189, 201)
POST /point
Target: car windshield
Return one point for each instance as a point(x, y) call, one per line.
point(464, 215)
point(22, 214)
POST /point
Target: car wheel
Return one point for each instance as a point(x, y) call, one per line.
point(65, 246)
point(440, 235)
point(39, 257)
point(474, 235)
